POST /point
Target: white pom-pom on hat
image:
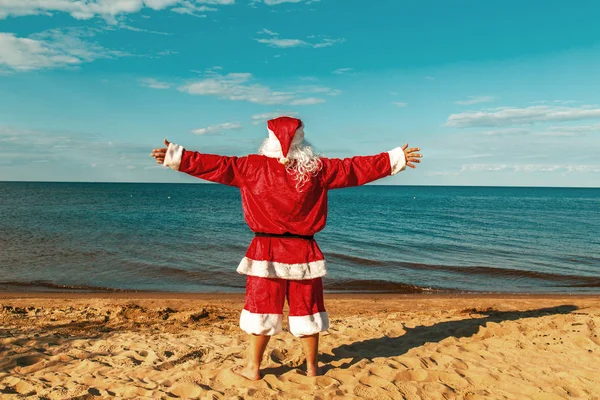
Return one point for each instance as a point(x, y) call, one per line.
point(284, 160)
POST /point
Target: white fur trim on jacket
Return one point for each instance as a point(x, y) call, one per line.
point(309, 324)
point(273, 269)
point(260, 324)
point(397, 160)
point(173, 156)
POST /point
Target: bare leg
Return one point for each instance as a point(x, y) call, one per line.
point(311, 352)
point(258, 344)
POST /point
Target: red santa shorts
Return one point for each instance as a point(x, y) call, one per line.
point(265, 297)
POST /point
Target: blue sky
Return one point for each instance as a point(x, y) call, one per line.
point(494, 94)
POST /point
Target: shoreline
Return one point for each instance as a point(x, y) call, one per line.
point(385, 185)
point(335, 295)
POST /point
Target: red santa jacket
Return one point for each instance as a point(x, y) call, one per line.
point(272, 204)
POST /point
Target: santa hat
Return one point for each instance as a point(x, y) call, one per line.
point(285, 129)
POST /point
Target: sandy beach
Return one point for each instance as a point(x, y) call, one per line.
point(168, 345)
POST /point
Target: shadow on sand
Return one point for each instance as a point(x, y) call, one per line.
point(415, 337)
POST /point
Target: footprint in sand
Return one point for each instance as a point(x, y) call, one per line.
point(378, 384)
point(197, 355)
point(186, 390)
point(408, 391)
point(279, 356)
point(363, 391)
point(410, 362)
point(299, 378)
point(26, 361)
point(13, 385)
point(147, 357)
point(326, 382)
point(384, 371)
point(416, 375)
point(262, 393)
point(459, 364)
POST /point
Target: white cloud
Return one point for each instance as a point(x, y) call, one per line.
point(107, 9)
point(275, 41)
point(268, 32)
point(187, 7)
point(570, 130)
point(529, 168)
point(154, 84)
point(217, 129)
point(399, 104)
point(262, 118)
point(554, 101)
point(536, 168)
point(518, 116)
point(476, 156)
point(166, 53)
point(508, 132)
point(67, 148)
point(277, 2)
point(556, 130)
point(431, 78)
point(318, 89)
point(483, 167)
point(341, 71)
point(475, 100)
point(327, 43)
point(49, 49)
point(240, 87)
point(134, 29)
point(583, 168)
point(307, 101)
point(23, 54)
point(283, 43)
point(236, 86)
point(441, 173)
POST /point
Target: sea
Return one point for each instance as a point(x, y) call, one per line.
point(402, 239)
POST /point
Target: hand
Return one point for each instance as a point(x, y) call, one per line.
point(160, 154)
point(411, 155)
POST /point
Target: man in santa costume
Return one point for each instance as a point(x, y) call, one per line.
point(284, 198)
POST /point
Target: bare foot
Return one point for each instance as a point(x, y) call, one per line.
point(313, 370)
point(248, 373)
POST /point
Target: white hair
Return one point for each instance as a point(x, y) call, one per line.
point(304, 162)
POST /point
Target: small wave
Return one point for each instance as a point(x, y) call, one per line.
point(372, 285)
point(571, 280)
point(509, 273)
point(217, 279)
point(47, 285)
point(176, 272)
point(355, 260)
point(586, 285)
point(198, 276)
point(581, 259)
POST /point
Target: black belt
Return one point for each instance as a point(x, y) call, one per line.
point(283, 235)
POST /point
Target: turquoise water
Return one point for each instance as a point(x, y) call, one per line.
point(190, 238)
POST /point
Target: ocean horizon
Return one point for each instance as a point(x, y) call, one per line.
point(200, 182)
point(189, 237)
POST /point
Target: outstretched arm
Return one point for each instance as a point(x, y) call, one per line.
point(359, 170)
point(211, 167)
